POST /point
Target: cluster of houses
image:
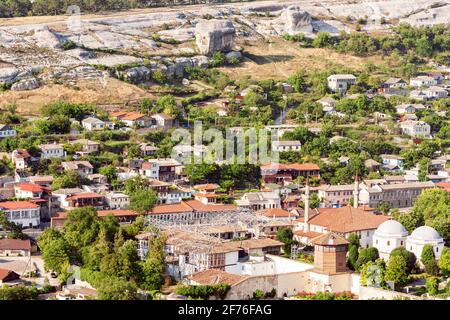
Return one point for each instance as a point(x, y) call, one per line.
point(425, 87)
point(215, 236)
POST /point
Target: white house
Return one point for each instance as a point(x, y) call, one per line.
point(117, 200)
point(388, 236)
point(283, 146)
point(163, 120)
point(415, 128)
point(28, 191)
point(392, 160)
point(260, 200)
point(7, 131)
point(406, 108)
point(52, 150)
point(422, 236)
point(23, 213)
point(422, 81)
point(340, 82)
point(92, 124)
point(21, 158)
point(435, 92)
point(83, 168)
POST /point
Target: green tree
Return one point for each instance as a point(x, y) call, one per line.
point(55, 250)
point(444, 262)
point(432, 285)
point(69, 179)
point(109, 172)
point(13, 230)
point(409, 257)
point(143, 201)
point(366, 255)
point(429, 260)
point(286, 236)
point(81, 229)
point(396, 271)
point(432, 208)
point(353, 255)
point(153, 266)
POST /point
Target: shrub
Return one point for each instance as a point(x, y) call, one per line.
point(258, 294)
point(432, 285)
point(204, 291)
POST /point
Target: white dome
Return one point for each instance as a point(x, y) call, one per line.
point(391, 227)
point(425, 233)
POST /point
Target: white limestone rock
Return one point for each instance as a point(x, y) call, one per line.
point(7, 75)
point(25, 85)
point(295, 20)
point(136, 75)
point(214, 35)
point(44, 38)
point(233, 55)
point(201, 61)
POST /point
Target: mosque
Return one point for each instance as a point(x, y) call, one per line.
point(392, 234)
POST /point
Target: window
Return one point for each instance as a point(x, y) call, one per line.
point(401, 243)
point(388, 243)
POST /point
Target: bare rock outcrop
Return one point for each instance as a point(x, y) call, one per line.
point(214, 35)
point(295, 20)
point(7, 75)
point(45, 38)
point(25, 84)
point(136, 75)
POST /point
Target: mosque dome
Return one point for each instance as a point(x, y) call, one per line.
point(391, 228)
point(425, 233)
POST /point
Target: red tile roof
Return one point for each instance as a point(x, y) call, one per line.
point(207, 186)
point(309, 234)
point(444, 185)
point(215, 276)
point(22, 153)
point(347, 219)
point(171, 208)
point(276, 212)
point(191, 206)
point(8, 275)
point(200, 207)
point(293, 166)
point(117, 213)
point(133, 116)
point(15, 244)
point(15, 205)
point(29, 187)
point(85, 195)
point(118, 114)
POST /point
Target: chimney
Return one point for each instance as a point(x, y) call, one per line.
point(306, 202)
point(356, 192)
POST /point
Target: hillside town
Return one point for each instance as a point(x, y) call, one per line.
point(219, 182)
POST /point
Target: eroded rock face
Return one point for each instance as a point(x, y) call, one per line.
point(25, 84)
point(7, 75)
point(136, 75)
point(296, 20)
point(45, 38)
point(214, 35)
point(234, 55)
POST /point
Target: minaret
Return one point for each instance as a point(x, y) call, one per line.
point(356, 192)
point(306, 202)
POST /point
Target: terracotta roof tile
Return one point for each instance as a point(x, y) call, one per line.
point(14, 205)
point(29, 187)
point(15, 244)
point(215, 276)
point(347, 219)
